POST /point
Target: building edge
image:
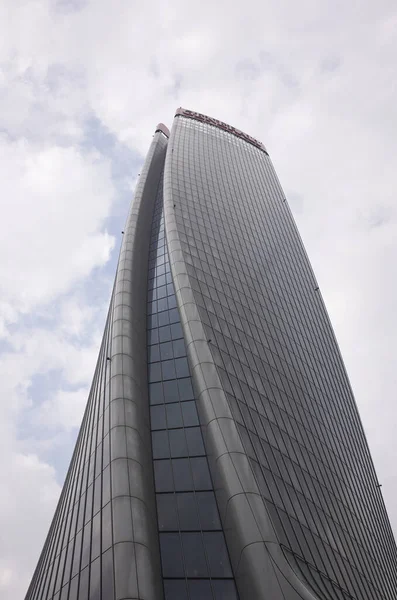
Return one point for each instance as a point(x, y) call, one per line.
point(260, 567)
point(42, 562)
point(122, 364)
point(129, 364)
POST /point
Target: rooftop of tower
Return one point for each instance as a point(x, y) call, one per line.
point(183, 112)
point(163, 128)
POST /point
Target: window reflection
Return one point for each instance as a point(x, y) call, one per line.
point(181, 471)
point(278, 361)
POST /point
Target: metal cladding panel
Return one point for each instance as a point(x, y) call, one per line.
point(103, 541)
point(295, 484)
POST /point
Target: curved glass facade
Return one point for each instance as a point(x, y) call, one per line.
point(221, 454)
point(194, 557)
point(277, 362)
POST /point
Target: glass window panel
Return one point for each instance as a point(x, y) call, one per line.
point(160, 270)
point(85, 555)
point(170, 391)
point(152, 322)
point(163, 476)
point(166, 350)
point(174, 315)
point(165, 333)
point(81, 512)
point(182, 474)
point(194, 555)
point(200, 590)
point(154, 353)
point(224, 589)
point(60, 569)
point(106, 450)
point(208, 510)
point(107, 575)
point(73, 588)
point(292, 541)
point(182, 368)
point(175, 589)
point(179, 348)
point(91, 470)
point(95, 580)
point(201, 475)
point(152, 306)
point(189, 412)
point(194, 441)
point(160, 445)
point(168, 369)
point(105, 486)
point(64, 592)
point(77, 552)
point(156, 393)
point(166, 512)
point(172, 302)
point(162, 305)
point(157, 417)
point(161, 292)
point(97, 494)
point(88, 507)
point(154, 336)
point(96, 536)
point(52, 569)
point(68, 562)
point(277, 523)
point(187, 511)
point(83, 589)
point(106, 527)
point(164, 317)
point(154, 372)
point(174, 415)
point(161, 280)
point(185, 389)
point(178, 443)
point(217, 555)
point(171, 555)
point(176, 331)
point(98, 460)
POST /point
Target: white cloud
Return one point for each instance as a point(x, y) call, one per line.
point(55, 195)
point(24, 508)
point(312, 81)
point(76, 315)
point(64, 410)
point(54, 201)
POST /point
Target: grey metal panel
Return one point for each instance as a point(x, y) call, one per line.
point(260, 569)
point(137, 560)
point(164, 129)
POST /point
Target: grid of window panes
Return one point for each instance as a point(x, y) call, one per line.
point(194, 557)
point(77, 559)
point(280, 365)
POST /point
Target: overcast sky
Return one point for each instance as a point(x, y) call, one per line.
point(82, 86)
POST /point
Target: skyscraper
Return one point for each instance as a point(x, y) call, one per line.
point(221, 455)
